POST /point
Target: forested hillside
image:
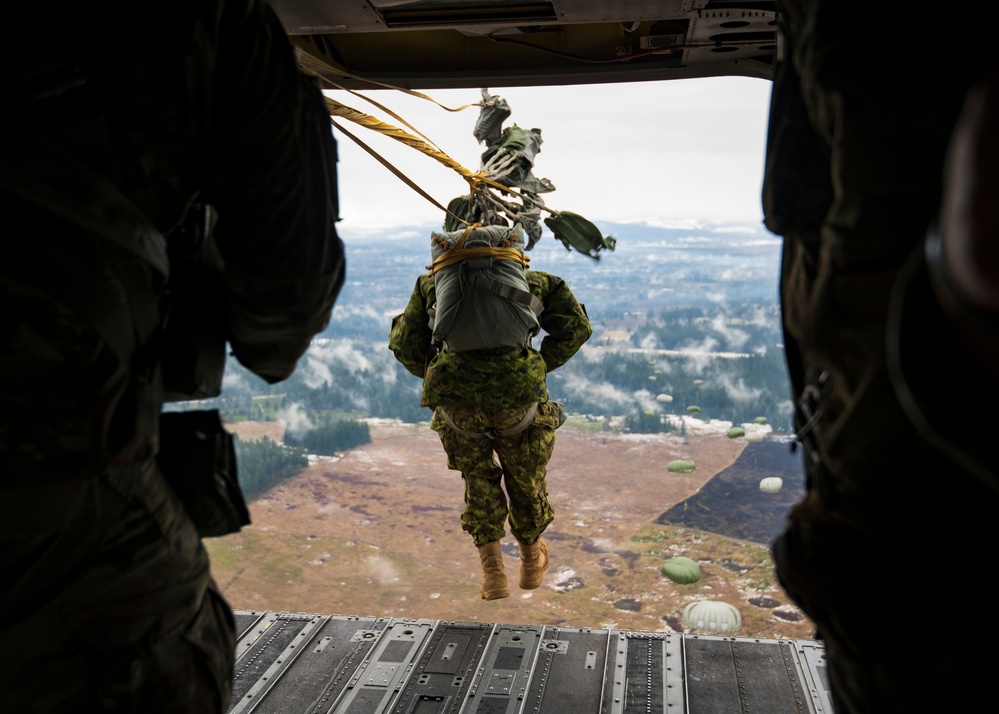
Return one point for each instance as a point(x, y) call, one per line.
point(685, 323)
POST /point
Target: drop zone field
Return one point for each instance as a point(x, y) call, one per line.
point(376, 532)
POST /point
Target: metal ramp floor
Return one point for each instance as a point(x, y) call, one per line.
point(332, 664)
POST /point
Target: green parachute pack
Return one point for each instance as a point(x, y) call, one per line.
point(483, 300)
point(480, 265)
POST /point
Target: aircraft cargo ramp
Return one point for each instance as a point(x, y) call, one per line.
point(327, 664)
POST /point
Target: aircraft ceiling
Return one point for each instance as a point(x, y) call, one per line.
point(441, 44)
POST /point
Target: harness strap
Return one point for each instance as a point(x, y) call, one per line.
point(517, 295)
point(493, 433)
point(456, 255)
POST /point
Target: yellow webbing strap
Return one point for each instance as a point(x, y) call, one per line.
point(322, 71)
point(456, 255)
point(337, 109)
point(403, 177)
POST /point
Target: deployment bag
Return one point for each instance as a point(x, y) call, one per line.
point(482, 300)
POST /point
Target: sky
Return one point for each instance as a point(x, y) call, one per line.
point(685, 152)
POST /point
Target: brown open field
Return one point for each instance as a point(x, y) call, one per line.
point(377, 532)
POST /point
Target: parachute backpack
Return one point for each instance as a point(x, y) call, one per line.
point(483, 300)
point(479, 265)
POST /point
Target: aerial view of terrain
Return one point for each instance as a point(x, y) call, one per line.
point(375, 531)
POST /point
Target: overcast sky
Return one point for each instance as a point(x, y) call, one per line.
point(677, 152)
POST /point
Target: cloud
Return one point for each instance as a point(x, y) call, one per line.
point(733, 336)
point(235, 381)
point(381, 570)
point(699, 354)
point(296, 421)
point(326, 359)
point(608, 395)
point(738, 391)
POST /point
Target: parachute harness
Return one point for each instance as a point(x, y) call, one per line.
point(456, 253)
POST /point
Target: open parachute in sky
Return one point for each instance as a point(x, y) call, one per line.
point(681, 466)
point(712, 616)
point(771, 484)
point(681, 569)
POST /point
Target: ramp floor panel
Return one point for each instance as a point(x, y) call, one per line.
point(291, 663)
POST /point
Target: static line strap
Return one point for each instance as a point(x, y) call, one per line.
point(319, 69)
point(337, 109)
point(412, 184)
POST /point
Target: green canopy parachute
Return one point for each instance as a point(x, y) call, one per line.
point(693, 409)
point(771, 484)
point(681, 466)
point(760, 420)
point(735, 432)
point(682, 570)
point(712, 616)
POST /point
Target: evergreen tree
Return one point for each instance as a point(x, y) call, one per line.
point(263, 464)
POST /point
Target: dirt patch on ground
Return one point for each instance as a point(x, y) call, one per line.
point(377, 532)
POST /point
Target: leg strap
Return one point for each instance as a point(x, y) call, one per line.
point(494, 433)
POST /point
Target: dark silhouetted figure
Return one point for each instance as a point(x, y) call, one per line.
point(881, 176)
point(119, 120)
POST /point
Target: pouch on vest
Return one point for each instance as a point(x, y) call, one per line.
point(483, 300)
point(198, 457)
point(193, 354)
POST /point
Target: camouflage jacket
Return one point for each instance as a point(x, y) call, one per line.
point(503, 376)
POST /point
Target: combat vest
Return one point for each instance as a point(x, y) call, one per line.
point(482, 299)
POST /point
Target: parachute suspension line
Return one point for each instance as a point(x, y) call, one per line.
point(319, 69)
point(476, 180)
point(412, 184)
point(501, 165)
point(396, 117)
point(504, 166)
point(337, 109)
point(489, 200)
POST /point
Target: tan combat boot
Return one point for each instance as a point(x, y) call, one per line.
point(533, 564)
point(494, 583)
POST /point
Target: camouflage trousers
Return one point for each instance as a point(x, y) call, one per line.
point(517, 463)
point(118, 614)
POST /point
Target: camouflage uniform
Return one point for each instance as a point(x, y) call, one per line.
point(108, 598)
point(853, 183)
point(485, 389)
